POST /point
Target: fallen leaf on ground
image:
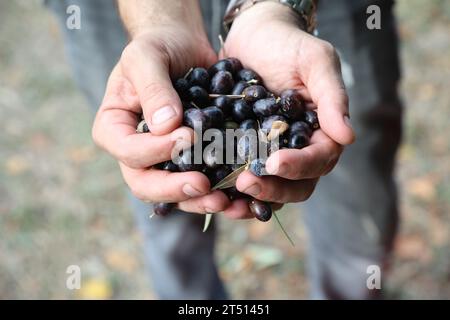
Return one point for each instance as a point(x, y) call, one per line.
point(81, 154)
point(121, 261)
point(16, 165)
point(95, 288)
point(412, 247)
point(423, 188)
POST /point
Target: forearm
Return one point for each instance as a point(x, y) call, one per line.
point(140, 16)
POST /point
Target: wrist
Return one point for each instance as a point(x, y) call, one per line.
point(265, 14)
point(142, 16)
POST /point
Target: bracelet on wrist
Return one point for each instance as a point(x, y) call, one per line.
point(305, 10)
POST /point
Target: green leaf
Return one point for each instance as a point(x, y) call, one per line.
point(282, 229)
point(208, 218)
point(188, 73)
point(230, 180)
point(227, 182)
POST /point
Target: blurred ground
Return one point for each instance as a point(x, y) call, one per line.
point(62, 200)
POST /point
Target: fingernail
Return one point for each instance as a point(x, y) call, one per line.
point(191, 191)
point(163, 114)
point(208, 210)
point(253, 190)
point(347, 122)
point(271, 168)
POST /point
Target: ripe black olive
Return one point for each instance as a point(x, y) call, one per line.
point(222, 83)
point(262, 210)
point(163, 209)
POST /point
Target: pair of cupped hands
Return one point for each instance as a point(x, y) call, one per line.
point(265, 38)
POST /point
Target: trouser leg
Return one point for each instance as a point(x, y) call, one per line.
point(352, 217)
point(179, 256)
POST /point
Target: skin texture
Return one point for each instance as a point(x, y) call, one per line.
point(267, 39)
point(164, 45)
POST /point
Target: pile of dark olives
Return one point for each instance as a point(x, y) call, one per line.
point(228, 97)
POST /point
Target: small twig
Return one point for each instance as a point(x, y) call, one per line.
point(222, 45)
point(282, 229)
point(196, 106)
point(188, 73)
point(231, 96)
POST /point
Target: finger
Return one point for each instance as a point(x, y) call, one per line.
point(115, 132)
point(275, 189)
point(313, 161)
point(147, 68)
point(239, 210)
point(277, 206)
point(214, 202)
point(321, 73)
point(154, 185)
point(304, 93)
point(114, 128)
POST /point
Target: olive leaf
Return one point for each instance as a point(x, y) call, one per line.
point(208, 218)
point(231, 96)
point(227, 182)
point(277, 129)
point(284, 230)
point(230, 180)
point(188, 73)
point(252, 81)
point(194, 105)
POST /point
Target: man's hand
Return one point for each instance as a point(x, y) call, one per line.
point(166, 41)
point(267, 39)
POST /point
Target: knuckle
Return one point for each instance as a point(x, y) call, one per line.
point(96, 130)
point(95, 135)
point(130, 52)
point(334, 149)
point(137, 191)
point(308, 159)
point(124, 156)
point(153, 91)
point(216, 205)
point(300, 173)
point(149, 48)
point(189, 207)
point(306, 194)
point(268, 192)
point(327, 49)
point(330, 166)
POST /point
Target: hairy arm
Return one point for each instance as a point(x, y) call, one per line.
point(167, 38)
point(140, 16)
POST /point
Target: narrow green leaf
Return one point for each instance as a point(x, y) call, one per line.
point(230, 180)
point(282, 229)
point(208, 218)
point(188, 73)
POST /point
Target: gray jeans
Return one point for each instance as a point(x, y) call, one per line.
point(352, 216)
